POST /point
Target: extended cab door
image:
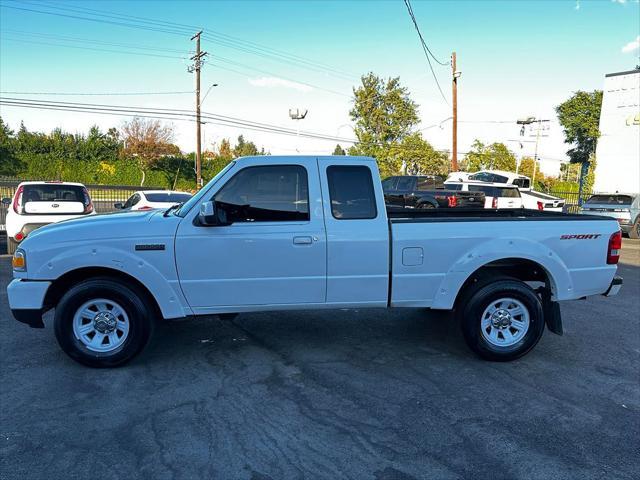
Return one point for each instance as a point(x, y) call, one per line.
point(357, 232)
point(274, 252)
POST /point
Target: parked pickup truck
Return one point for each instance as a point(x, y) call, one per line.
point(424, 192)
point(291, 233)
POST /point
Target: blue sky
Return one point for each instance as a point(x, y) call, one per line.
point(517, 58)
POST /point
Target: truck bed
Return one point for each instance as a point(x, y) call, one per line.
point(400, 215)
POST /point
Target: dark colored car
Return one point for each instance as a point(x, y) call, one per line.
point(427, 191)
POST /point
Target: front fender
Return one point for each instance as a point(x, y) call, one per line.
point(502, 249)
point(159, 277)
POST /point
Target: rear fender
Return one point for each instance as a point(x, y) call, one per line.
point(501, 249)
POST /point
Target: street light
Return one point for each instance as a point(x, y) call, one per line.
point(297, 114)
point(208, 90)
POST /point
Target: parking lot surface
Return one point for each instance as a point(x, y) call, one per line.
point(343, 394)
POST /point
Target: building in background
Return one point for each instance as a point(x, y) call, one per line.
point(618, 149)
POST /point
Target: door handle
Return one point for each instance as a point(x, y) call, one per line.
point(302, 240)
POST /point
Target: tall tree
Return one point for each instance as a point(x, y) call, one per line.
point(580, 119)
point(384, 115)
point(147, 141)
point(338, 150)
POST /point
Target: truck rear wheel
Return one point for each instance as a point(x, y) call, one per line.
point(501, 319)
point(102, 322)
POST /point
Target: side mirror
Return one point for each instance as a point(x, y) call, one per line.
point(118, 205)
point(6, 202)
point(210, 216)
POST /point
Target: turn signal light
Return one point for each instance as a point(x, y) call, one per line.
point(18, 261)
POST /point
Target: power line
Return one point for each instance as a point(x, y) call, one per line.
point(130, 21)
point(427, 51)
point(95, 94)
point(94, 49)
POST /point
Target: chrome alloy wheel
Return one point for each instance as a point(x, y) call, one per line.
point(101, 325)
point(505, 322)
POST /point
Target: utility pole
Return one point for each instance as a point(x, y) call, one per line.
point(454, 92)
point(198, 60)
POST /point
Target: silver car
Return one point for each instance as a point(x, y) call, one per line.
point(622, 206)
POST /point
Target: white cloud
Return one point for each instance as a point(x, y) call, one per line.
point(272, 82)
point(632, 46)
point(621, 2)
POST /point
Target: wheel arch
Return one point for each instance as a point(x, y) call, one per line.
point(62, 284)
point(519, 268)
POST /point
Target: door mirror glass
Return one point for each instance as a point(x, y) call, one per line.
point(118, 206)
point(6, 202)
point(211, 216)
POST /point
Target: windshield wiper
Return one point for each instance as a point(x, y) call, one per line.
point(172, 207)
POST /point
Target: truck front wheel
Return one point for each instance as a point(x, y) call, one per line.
point(102, 322)
point(501, 320)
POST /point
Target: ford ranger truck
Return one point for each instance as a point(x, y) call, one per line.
point(290, 233)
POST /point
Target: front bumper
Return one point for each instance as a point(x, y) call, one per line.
point(26, 300)
point(614, 288)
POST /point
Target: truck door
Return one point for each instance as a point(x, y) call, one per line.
point(357, 233)
point(274, 252)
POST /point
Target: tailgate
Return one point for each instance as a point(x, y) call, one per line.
point(470, 199)
point(53, 207)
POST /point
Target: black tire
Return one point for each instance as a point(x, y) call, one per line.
point(139, 313)
point(12, 245)
point(478, 298)
point(635, 230)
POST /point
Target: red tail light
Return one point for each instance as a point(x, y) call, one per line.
point(17, 200)
point(540, 206)
point(146, 207)
point(88, 206)
point(453, 201)
point(494, 202)
point(19, 236)
point(613, 251)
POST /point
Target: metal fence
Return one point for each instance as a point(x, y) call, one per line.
point(571, 199)
point(102, 196)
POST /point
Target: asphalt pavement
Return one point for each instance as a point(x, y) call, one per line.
point(358, 394)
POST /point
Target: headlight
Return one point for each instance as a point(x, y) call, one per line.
point(19, 261)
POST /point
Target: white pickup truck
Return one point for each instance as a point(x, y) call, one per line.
point(290, 233)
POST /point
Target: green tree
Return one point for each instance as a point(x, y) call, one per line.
point(244, 148)
point(383, 114)
point(9, 163)
point(580, 119)
point(489, 157)
point(339, 150)
point(419, 156)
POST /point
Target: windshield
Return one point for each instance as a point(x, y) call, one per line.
point(197, 198)
point(611, 199)
point(167, 197)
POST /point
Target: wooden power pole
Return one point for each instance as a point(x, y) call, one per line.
point(198, 60)
point(454, 94)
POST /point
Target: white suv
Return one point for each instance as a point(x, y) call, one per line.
point(149, 199)
point(36, 204)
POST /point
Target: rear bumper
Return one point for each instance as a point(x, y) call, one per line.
point(614, 288)
point(26, 300)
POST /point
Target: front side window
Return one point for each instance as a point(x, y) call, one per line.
point(351, 192)
point(521, 182)
point(273, 193)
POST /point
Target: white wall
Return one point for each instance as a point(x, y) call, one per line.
point(618, 149)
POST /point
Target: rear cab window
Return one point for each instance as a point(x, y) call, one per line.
point(611, 199)
point(351, 192)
